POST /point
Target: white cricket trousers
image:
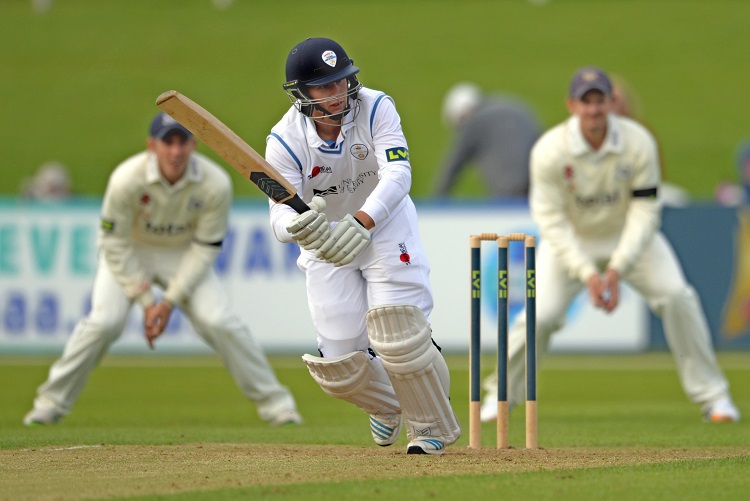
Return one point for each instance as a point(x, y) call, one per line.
point(658, 277)
point(209, 314)
point(393, 269)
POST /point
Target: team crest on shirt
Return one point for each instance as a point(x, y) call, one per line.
point(624, 171)
point(195, 204)
point(359, 151)
point(329, 57)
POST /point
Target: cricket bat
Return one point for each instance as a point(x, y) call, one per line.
point(229, 146)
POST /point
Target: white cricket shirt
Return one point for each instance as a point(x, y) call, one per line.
point(140, 208)
point(581, 194)
point(366, 169)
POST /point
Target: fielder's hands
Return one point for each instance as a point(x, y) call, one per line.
point(155, 320)
point(311, 228)
point(346, 241)
point(604, 291)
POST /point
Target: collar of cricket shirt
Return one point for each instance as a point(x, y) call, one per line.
point(314, 140)
point(613, 142)
point(192, 174)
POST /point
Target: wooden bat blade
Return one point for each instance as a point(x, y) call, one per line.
point(229, 146)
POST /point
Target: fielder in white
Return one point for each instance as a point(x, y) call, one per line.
point(594, 185)
point(342, 147)
point(164, 216)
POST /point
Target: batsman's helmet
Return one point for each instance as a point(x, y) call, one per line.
point(318, 61)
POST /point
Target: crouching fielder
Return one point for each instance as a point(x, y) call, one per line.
point(342, 147)
point(594, 181)
point(164, 216)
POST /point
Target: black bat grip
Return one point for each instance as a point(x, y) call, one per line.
point(297, 204)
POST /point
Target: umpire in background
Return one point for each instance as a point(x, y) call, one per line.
point(494, 132)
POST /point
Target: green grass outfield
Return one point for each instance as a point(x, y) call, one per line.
point(79, 81)
point(610, 427)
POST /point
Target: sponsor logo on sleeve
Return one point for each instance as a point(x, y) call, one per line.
point(404, 256)
point(107, 226)
point(396, 154)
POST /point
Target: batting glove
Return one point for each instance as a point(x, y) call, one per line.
point(310, 229)
point(346, 241)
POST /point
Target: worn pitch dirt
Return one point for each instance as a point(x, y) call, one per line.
point(83, 472)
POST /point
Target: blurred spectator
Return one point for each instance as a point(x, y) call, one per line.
point(625, 102)
point(222, 4)
point(41, 6)
point(494, 132)
point(733, 195)
point(51, 182)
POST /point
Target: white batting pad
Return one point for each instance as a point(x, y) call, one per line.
point(356, 378)
point(403, 339)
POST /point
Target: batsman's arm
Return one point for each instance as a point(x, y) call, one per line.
point(229, 146)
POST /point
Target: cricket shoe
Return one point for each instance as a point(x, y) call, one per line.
point(426, 445)
point(488, 410)
point(42, 417)
point(385, 428)
point(290, 416)
point(722, 411)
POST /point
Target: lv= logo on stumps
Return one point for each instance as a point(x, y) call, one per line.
point(475, 429)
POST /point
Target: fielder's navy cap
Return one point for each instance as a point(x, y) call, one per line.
point(163, 124)
point(587, 79)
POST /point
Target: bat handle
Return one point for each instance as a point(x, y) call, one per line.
point(297, 204)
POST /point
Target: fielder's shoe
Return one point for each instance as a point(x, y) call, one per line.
point(41, 417)
point(286, 417)
point(722, 411)
point(488, 410)
point(426, 445)
point(385, 428)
